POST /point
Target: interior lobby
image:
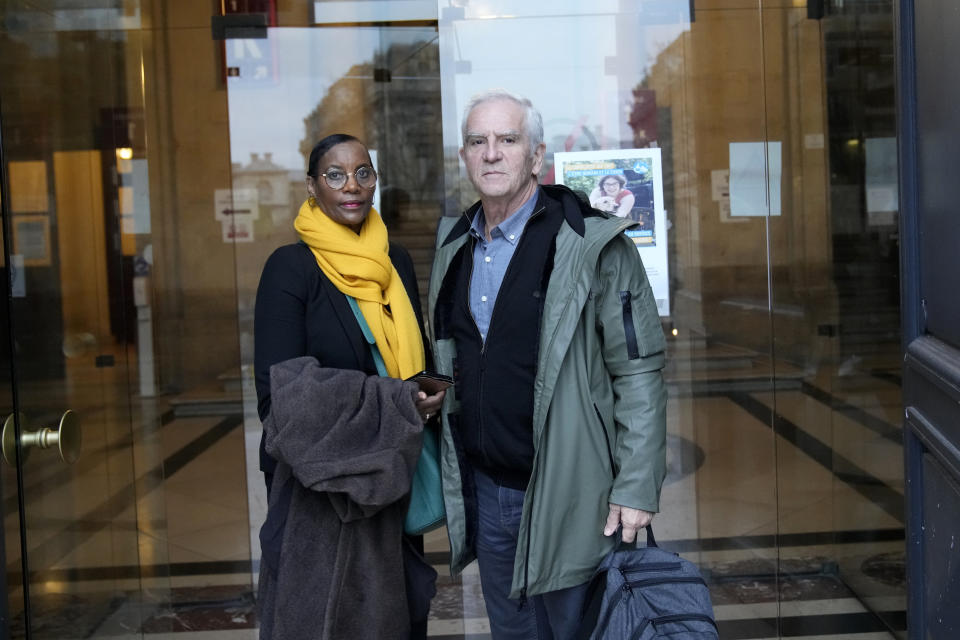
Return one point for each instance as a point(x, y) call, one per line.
point(153, 155)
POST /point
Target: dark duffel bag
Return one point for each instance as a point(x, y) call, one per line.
point(643, 593)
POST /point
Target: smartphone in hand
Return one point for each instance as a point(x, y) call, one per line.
point(431, 383)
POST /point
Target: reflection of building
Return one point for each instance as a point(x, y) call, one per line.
point(719, 265)
point(398, 114)
point(266, 177)
point(279, 190)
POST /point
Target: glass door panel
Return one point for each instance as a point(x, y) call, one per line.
point(670, 96)
point(69, 105)
point(383, 87)
point(12, 598)
point(835, 291)
point(149, 170)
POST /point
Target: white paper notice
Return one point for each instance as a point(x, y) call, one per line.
point(881, 181)
point(755, 173)
point(141, 196)
point(18, 281)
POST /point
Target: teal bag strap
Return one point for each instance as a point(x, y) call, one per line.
point(368, 335)
point(425, 511)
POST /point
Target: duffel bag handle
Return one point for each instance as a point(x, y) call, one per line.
point(651, 541)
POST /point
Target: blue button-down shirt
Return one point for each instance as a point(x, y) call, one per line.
point(491, 259)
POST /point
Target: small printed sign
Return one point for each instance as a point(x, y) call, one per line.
point(233, 204)
point(237, 230)
point(720, 184)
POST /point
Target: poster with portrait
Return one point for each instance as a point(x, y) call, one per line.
point(626, 183)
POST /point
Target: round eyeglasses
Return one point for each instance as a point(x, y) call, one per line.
point(337, 178)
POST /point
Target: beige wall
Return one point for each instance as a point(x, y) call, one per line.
point(83, 270)
point(188, 152)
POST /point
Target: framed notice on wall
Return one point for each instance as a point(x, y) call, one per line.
point(31, 239)
point(626, 183)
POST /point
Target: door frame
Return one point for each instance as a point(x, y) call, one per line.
point(931, 370)
point(5, 291)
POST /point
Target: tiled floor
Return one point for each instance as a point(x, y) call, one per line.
point(788, 496)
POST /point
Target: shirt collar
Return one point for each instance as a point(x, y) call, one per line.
point(511, 228)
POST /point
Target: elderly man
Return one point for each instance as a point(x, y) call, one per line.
point(553, 437)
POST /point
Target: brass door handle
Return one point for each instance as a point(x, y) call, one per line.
point(66, 437)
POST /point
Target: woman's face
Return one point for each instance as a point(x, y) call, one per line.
point(350, 204)
point(611, 187)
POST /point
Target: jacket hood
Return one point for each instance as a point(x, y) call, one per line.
point(575, 209)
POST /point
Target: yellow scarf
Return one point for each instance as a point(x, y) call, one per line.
point(359, 266)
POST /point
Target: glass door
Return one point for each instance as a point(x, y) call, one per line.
point(383, 87)
point(124, 127)
point(75, 478)
point(92, 439)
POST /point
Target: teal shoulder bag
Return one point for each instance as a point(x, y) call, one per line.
point(425, 512)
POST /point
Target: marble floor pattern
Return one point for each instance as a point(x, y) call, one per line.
point(788, 496)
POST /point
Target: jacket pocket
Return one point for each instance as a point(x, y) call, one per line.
point(606, 439)
point(641, 324)
point(629, 331)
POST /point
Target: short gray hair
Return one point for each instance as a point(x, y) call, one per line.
point(532, 120)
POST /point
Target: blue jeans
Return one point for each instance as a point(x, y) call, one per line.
point(548, 616)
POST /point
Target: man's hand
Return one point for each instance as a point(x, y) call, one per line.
point(632, 521)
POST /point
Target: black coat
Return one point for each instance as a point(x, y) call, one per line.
point(299, 312)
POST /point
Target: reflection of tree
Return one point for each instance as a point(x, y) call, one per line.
point(643, 117)
point(393, 105)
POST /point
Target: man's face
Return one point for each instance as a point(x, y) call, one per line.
point(497, 150)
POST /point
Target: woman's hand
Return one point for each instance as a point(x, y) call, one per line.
point(428, 406)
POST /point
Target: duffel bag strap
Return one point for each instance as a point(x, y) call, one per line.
point(621, 545)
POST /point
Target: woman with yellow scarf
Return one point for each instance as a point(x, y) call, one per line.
point(313, 300)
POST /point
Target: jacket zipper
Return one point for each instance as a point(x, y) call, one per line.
point(633, 349)
point(526, 555)
point(680, 617)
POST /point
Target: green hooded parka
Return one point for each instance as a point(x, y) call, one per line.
point(599, 416)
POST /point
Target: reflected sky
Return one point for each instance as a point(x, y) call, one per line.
point(577, 68)
point(283, 78)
